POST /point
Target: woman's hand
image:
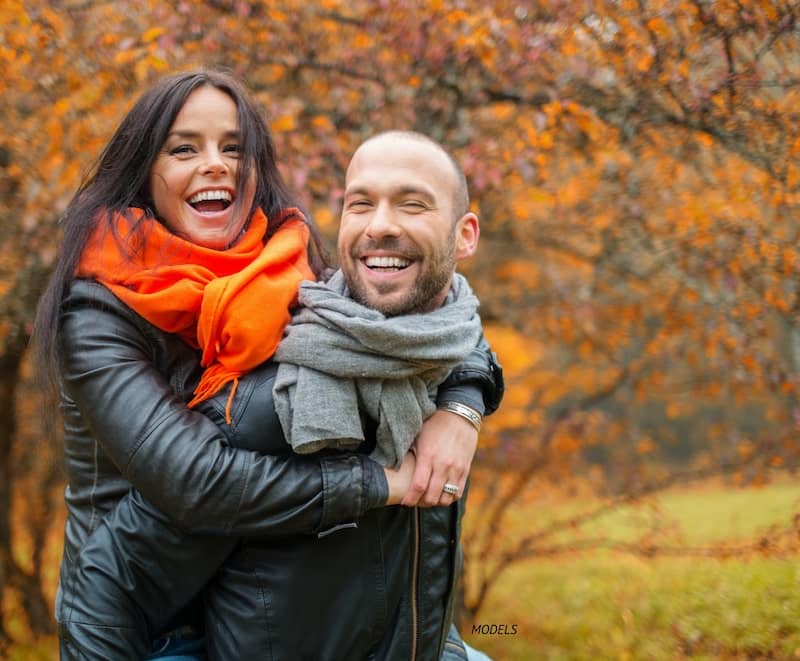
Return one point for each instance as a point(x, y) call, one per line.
point(400, 479)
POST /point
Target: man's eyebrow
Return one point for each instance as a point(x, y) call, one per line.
point(398, 192)
point(414, 190)
point(358, 190)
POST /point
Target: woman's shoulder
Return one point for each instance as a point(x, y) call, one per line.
point(90, 302)
point(90, 293)
point(90, 307)
point(98, 326)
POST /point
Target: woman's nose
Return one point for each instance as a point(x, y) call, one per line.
point(214, 163)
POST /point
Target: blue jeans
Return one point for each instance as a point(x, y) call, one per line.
point(178, 648)
point(455, 649)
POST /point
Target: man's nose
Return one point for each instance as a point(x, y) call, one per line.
point(383, 222)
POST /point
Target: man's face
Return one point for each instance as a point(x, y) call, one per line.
point(398, 239)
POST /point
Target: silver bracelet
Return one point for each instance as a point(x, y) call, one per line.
point(466, 412)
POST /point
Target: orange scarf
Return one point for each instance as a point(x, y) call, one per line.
point(233, 304)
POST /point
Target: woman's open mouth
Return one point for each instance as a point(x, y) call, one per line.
point(210, 201)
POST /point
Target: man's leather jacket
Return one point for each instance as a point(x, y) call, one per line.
point(300, 557)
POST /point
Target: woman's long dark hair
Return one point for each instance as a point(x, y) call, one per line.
point(120, 179)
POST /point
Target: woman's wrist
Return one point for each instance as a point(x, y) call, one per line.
point(399, 480)
point(376, 485)
point(394, 491)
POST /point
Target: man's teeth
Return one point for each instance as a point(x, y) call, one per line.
point(206, 195)
point(386, 262)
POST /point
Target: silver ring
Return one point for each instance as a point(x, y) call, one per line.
point(452, 489)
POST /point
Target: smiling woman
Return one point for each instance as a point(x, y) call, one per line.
point(171, 249)
point(193, 179)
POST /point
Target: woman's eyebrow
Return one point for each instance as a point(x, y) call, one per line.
point(197, 134)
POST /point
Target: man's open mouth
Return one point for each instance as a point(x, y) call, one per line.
point(386, 263)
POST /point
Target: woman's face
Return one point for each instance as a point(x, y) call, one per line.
point(193, 179)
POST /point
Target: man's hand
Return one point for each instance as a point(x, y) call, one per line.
point(445, 448)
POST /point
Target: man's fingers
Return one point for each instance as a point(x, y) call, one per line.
point(444, 487)
point(445, 448)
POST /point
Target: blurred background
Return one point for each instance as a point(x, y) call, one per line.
point(635, 167)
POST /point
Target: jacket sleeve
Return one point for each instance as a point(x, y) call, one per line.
point(477, 382)
point(177, 457)
point(130, 580)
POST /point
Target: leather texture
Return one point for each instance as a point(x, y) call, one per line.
point(299, 559)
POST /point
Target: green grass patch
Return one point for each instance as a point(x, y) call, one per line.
point(607, 605)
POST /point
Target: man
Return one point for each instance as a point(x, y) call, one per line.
point(379, 587)
point(405, 224)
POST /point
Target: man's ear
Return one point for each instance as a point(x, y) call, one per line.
point(468, 231)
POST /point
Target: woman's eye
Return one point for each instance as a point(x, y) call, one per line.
point(182, 149)
point(233, 148)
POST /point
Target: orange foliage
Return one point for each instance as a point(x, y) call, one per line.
point(634, 165)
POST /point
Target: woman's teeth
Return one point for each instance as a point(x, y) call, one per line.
point(211, 200)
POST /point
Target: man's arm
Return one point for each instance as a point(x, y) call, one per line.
point(447, 441)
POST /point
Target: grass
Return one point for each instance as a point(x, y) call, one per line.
point(606, 605)
point(619, 608)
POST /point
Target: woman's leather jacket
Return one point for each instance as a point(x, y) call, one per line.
point(298, 554)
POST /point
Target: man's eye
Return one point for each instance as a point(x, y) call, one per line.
point(359, 204)
point(413, 205)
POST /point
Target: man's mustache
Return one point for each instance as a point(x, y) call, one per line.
point(403, 249)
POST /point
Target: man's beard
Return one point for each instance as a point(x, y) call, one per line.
point(423, 292)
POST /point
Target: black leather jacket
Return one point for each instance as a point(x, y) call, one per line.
point(300, 558)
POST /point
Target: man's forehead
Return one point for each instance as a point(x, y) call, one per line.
point(409, 162)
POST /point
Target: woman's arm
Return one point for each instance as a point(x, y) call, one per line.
point(137, 570)
point(176, 457)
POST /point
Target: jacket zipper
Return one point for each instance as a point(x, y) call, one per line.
point(414, 581)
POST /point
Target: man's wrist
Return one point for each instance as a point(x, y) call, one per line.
point(466, 412)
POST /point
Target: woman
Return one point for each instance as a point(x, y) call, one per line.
point(181, 234)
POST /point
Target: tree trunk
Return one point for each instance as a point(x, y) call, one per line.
point(9, 374)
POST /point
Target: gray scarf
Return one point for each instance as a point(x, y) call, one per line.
point(339, 357)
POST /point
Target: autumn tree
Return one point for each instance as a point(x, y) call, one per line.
point(634, 165)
